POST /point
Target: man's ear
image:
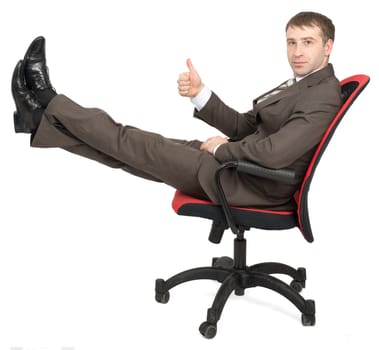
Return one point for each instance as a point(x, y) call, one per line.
point(328, 47)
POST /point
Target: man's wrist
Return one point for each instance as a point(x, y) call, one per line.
point(201, 99)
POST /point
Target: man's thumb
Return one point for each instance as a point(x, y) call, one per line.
point(190, 65)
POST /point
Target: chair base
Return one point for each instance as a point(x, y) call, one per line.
point(235, 279)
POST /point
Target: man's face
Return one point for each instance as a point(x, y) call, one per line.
point(306, 51)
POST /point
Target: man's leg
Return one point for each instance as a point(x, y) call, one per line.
point(90, 132)
point(56, 121)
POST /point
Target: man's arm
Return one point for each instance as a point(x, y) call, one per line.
point(301, 132)
point(220, 116)
point(230, 122)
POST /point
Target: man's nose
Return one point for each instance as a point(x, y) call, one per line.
point(298, 50)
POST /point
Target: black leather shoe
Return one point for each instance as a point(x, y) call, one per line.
point(36, 71)
point(28, 109)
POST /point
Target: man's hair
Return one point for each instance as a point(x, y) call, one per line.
point(311, 19)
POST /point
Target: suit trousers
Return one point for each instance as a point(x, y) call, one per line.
point(92, 133)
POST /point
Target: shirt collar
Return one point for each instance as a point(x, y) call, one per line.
point(301, 78)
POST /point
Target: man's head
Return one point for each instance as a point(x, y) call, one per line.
point(310, 38)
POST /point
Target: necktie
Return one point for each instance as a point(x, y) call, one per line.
point(275, 91)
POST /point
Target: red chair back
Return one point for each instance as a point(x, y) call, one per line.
point(351, 88)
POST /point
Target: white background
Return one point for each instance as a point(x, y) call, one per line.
point(81, 245)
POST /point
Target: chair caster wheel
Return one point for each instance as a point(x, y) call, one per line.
point(224, 262)
point(162, 298)
point(162, 295)
point(308, 320)
point(308, 317)
point(298, 283)
point(208, 330)
point(297, 286)
point(239, 291)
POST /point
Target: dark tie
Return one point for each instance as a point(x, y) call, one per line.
point(280, 88)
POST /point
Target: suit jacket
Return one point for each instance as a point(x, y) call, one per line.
point(282, 131)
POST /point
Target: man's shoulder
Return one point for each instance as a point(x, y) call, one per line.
point(323, 76)
point(325, 94)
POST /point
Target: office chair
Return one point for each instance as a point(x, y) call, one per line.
point(234, 274)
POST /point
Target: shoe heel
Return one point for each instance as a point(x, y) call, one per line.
point(16, 119)
point(19, 126)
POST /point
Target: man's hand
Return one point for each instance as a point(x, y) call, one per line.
point(210, 144)
point(189, 83)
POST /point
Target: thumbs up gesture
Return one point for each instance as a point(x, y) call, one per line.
point(189, 83)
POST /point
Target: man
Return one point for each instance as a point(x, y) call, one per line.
point(281, 130)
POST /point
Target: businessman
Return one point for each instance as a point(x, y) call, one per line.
point(281, 130)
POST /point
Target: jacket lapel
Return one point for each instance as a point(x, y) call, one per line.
point(307, 82)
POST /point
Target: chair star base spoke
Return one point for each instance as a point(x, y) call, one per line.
point(299, 275)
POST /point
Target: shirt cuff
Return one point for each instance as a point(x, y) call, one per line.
point(202, 98)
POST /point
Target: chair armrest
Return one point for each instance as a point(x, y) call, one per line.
point(284, 175)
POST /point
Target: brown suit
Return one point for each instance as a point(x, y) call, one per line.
point(282, 131)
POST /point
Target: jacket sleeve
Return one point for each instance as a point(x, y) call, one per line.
point(230, 122)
